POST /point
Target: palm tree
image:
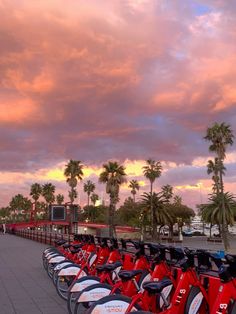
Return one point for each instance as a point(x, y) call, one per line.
point(73, 172)
point(35, 192)
point(60, 199)
point(212, 211)
point(152, 171)
point(42, 210)
point(20, 205)
point(177, 200)
point(48, 190)
point(215, 167)
point(73, 194)
point(89, 187)
point(134, 186)
point(167, 192)
point(113, 175)
point(94, 198)
point(156, 202)
point(220, 136)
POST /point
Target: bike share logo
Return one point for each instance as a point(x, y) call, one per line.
point(114, 309)
point(194, 307)
point(94, 295)
point(118, 307)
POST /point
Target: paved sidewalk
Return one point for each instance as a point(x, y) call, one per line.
point(25, 288)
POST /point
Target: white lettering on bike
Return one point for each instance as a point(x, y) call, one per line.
point(223, 306)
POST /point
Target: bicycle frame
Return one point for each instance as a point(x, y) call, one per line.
point(129, 288)
point(147, 302)
point(226, 294)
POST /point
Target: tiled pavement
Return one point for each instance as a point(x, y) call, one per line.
point(25, 288)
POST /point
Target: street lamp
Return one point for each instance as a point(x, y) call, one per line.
point(142, 227)
point(85, 228)
point(180, 224)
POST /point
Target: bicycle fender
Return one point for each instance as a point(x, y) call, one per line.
point(71, 271)
point(48, 256)
point(62, 265)
point(56, 259)
point(84, 282)
point(94, 293)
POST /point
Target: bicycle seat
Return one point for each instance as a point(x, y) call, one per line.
point(211, 273)
point(129, 274)
point(74, 251)
point(77, 246)
point(66, 246)
point(156, 286)
point(60, 242)
point(108, 267)
point(111, 267)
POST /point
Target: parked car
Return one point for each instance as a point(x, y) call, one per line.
point(187, 233)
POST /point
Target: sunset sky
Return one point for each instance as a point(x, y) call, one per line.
point(122, 80)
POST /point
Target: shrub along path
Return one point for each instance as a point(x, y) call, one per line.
point(25, 288)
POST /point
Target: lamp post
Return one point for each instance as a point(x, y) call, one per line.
point(68, 212)
point(180, 224)
point(141, 226)
point(200, 191)
point(86, 228)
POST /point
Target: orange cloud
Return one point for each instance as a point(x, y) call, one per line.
point(17, 111)
point(41, 83)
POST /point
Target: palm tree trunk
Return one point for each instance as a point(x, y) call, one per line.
point(154, 226)
point(153, 217)
point(112, 231)
point(151, 212)
point(71, 198)
point(171, 232)
point(220, 229)
point(224, 222)
point(88, 198)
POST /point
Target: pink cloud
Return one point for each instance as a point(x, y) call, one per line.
point(119, 80)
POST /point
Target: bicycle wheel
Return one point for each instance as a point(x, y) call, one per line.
point(45, 258)
point(195, 302)
point(90, 295)
point(71, 301)
point(112, 304)
point(65, 279)
point(75, 289)
point(52, 264)
point(50, 269)
point(58, 267)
